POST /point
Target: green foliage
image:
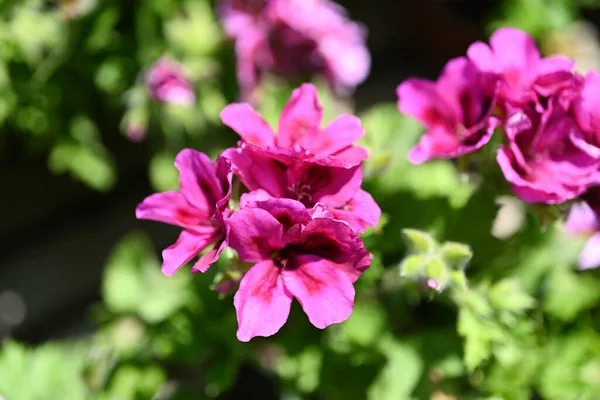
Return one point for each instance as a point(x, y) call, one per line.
point(134, 284)
point(50, 371)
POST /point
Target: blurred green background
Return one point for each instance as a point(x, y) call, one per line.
point(85, 312)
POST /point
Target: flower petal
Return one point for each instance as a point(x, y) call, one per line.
point(302, 115)
point(198, 181)
point(262, 302)
point(324, 291)
point(360, 212)
point(244, 120)
point(287, 211)
point(257, 171)
point(420, 99)
point(172, 208)
point(187, 246)
point(254, 234)
point(590, 255)
point(582, 219)
point(341, 133)
point(210, 257)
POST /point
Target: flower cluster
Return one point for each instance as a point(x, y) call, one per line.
point(295, 39)
point(551, 129)
point(297, 221)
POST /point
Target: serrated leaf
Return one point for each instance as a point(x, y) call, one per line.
point(509, 295)
point(419, 241)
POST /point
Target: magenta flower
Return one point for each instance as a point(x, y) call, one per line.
point(298, 253)
point(300, 128)
point(455, 109)
point(166, 81)
point(199, 207)
point(584, 220)
point(303, 162)
point(587, 106)
point(515, 61)
point(547, 158)
point(295, 39)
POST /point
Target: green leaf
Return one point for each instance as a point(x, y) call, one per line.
point(303, 368)
point(401, 373)
point(163, 174)
point(509, 295)
point(419, 242)
point(133, 282)
point(50, 371)
point(365, 326)
point(567, 294)
point(91, 165)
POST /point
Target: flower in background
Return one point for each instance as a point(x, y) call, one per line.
point(302, 161)
point(199, 207)
point(515, 61)
point(167, 81)
point(295, 39)
point(584, 220)
point(298, 253)
point(455, 109)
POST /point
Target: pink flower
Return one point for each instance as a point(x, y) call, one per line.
point(303, 162)
point(166, 81)
point(584, 220)
point(455, 109)
point(298, 253)
point(199, 207)
point(515, 61)
point(586, 107)
point(300, 128)
point(547, 158)
point(295, 39)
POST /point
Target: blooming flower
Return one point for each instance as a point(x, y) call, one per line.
point(303, 161)
point(584, 220)
point(300, 128)
point(166, 81)
point(295, 39)
point(199, 207)
point(547, 158)
point(455, 109)
point(515, 61)
point(298, 253)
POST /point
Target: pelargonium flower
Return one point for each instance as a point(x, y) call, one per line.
point(295, 39)
point(515, 61)
point(199, 207)
point(456, 111)
point(166, 81)
point(299, 128)
point(583, 220)
point(298, 253)
point(548, 158)
point(303, 162)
